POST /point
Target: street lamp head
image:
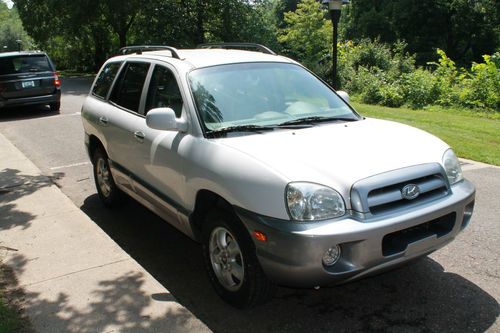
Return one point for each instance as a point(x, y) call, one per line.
point(334, 4)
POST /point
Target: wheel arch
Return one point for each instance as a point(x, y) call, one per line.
point(206, 201)
point(94, 144)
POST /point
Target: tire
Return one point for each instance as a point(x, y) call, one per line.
point(55, 106)
point(107, 190)
point(238, 279)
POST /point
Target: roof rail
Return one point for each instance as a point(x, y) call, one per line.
point(138, 49)
point(258, 47)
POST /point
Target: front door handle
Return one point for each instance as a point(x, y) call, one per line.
point(103, 120)
point(139, 136)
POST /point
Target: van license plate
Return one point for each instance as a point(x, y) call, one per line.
point(28, 84)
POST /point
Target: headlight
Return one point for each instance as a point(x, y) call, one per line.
point(312, 202)
point(452, 167)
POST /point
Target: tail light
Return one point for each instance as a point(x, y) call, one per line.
point(57, 81)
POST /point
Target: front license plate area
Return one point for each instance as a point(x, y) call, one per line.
point(28, 84)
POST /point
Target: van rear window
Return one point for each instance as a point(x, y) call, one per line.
point(24, 64)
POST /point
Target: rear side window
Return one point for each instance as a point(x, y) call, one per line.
point(128, 89)
point(24, 64)
point(105, 79)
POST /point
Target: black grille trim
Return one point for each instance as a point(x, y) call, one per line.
point(398, 241)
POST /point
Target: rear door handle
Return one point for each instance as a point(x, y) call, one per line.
point(103, 120)
point(139, 136)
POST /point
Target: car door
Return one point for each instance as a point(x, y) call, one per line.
point(124, 120)
point(161, 166)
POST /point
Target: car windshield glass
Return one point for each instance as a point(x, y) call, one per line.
point(24, 64)
point(264, 94)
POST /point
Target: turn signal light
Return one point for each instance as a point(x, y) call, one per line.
point(260, 236)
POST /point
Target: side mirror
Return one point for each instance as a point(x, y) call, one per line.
point(344, 96)
point(164, 119)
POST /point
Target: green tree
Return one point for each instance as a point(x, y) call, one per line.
point(465, 29)
point(12, 30)
point(307, 35)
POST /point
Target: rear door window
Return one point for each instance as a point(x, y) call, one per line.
point(24, 64)
point(128, 88)
point(105, 79)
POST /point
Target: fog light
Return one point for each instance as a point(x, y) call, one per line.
point(331, 256)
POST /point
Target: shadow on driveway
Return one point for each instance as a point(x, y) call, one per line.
point(420, 297)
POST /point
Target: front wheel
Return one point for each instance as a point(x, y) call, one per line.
point(109, 194)
point(231, 262)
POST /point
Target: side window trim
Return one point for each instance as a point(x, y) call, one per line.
point(145, 88)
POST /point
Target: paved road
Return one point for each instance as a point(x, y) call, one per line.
point(456, 289)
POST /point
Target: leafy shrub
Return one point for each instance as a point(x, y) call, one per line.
point(370, 55)
point(481, 87)
point(382, 75)
point(392, 95)
point(420, 88)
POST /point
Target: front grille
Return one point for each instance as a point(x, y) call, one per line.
point(388, 198)
point(382, 194)
point(398, 241)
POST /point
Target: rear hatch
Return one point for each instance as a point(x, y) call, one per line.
point(26, 75)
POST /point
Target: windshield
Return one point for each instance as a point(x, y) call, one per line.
point(263, 94)
point(24, 64)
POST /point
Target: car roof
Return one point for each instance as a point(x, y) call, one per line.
point(198, 58)
point(21, 53)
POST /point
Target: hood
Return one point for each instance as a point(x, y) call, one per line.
point(339, 154)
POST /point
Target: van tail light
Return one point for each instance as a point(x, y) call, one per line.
point(57, 81)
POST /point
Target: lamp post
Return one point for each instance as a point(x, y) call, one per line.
point(335, 8)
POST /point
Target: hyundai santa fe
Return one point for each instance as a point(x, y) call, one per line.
point(269, 168)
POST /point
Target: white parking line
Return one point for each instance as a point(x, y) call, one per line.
point(69, 165)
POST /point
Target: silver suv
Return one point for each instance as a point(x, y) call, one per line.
point(278, 177)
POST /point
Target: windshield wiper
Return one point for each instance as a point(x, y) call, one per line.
point(315, 119)
point(240, 128)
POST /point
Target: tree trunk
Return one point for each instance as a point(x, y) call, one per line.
point(200, 31)
point(122, 35)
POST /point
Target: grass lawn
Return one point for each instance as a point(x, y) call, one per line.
point(474, 136)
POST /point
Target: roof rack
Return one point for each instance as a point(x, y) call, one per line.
point(258, 47)
point(138, 49)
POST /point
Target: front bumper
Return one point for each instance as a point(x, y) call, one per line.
point(292, 254)
point(33, 100)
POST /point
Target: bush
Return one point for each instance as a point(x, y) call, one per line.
point(378, 74)
point(420, 88)
point(392, 95)
point(481, 87)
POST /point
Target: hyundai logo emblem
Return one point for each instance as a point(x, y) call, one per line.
point(410, 192)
